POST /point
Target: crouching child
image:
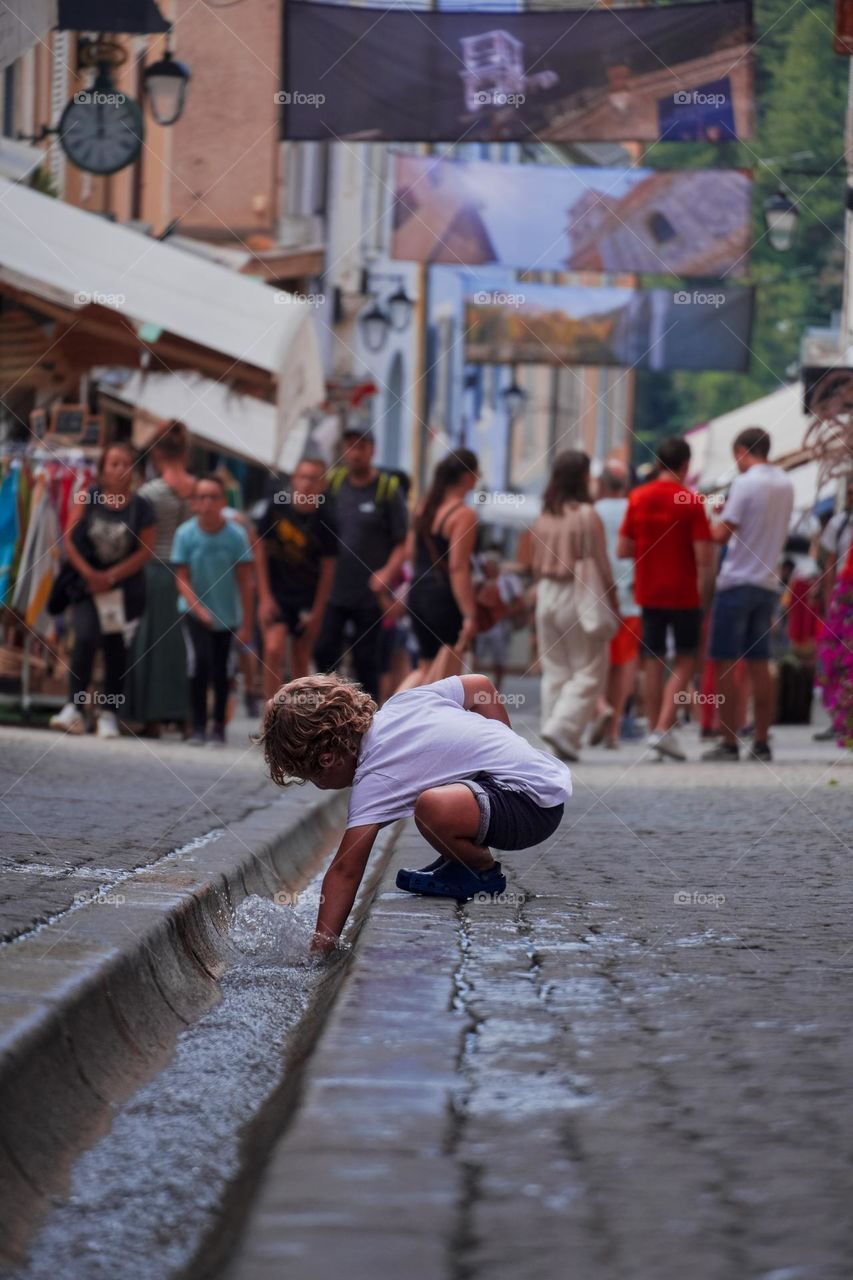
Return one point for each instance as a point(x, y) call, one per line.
point(443, 752)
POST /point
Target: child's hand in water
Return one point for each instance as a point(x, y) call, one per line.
point(323, 944)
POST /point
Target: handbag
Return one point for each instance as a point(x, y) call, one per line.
point(68, 588)
point(594, 613)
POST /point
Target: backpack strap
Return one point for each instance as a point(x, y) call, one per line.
point(386, 487)
point(336, 479)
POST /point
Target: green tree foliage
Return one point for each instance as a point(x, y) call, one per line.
point(801, 96)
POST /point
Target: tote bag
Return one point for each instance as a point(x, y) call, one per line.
point(594, 613)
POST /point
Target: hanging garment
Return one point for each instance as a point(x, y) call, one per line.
point(40, 562)
point(9, 528)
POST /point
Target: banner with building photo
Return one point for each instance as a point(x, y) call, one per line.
point(657, 329)
point(681, 222)
point(681, 72)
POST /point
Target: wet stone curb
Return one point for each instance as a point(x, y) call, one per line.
point(93, 1002)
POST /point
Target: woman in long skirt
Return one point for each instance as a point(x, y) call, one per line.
point(157, 687)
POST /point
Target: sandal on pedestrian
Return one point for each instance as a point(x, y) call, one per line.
point(453, 880)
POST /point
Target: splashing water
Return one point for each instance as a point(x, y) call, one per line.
point(142, 1198)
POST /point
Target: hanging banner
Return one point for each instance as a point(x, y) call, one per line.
point(679, 72)
point(681, 222)
point(658, 329)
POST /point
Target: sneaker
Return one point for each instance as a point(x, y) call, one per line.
point(453, 880)
point(723, 752)
point(217, 737)
point(666, 743)
point(197, 739)
point(760, 751)
point(600, 726)
point(107, 725)
point(404, 876)
point(824, 735)
point(68, 720)
point(567, 754)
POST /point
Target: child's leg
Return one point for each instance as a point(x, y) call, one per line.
point(198, 636)
point(448, 818)
point(220, 650)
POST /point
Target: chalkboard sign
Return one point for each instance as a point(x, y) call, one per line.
point(68, 422)
point(93, 432)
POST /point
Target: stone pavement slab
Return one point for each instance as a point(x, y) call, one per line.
point(634, 1067)
point(78, 813)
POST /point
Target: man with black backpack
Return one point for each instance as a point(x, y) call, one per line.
point(371, 520)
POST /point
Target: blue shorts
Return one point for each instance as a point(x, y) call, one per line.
point(740, 623)
point(510, 819)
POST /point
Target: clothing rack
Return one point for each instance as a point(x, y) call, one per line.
point(35, 460)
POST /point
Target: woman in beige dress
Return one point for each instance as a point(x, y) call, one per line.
point(573, 661)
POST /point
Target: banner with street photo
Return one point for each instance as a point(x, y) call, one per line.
point(657, 329)
point(681, 222)
point(680, 72)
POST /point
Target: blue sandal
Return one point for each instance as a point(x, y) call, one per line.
point(404, 876)
point(453, 880)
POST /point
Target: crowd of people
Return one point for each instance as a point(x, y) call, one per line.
point(638, 599)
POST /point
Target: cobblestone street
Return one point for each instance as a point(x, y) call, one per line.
point(632, 1067)
point(642, 1071)
point(77, 813)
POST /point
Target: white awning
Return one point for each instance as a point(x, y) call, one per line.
point(780, 413)
point(64, 254)
point(214, 414)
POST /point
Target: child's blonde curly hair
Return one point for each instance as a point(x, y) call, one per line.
point(309, 718)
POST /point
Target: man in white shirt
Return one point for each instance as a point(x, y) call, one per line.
point(753, 527)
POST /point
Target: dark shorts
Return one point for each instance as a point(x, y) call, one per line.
point(686, 627)
point(289, 609)
point(510, 819)
point(740, 623)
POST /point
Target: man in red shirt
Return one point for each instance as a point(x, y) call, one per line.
point(666, 532)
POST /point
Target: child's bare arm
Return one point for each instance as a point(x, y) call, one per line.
point(482, 696)
point(340, 884)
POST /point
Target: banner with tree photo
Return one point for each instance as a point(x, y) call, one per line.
point(656, 329)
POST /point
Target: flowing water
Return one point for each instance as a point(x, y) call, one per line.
point(142, 1200)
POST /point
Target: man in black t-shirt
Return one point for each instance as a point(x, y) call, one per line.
point(371, 521)
point(295, 558)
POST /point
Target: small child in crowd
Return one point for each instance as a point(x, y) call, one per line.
point(444, 752)
point(213, 568)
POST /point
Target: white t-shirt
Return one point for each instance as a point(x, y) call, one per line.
point(760, 503)
point(612, 513)
point(425, 738)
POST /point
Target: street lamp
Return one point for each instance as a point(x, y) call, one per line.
point(377, 321)
point(400, 307)
point(166, 84)
point(781, 216)
point(513, 398)
point(374, 325)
